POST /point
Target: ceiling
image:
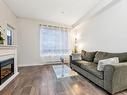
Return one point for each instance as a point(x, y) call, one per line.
point(65, 12)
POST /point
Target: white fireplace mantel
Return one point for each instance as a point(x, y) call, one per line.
point(5, 52)
point(7, 46)
point(8, 49)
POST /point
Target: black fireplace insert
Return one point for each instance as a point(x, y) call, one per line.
point(6, 69)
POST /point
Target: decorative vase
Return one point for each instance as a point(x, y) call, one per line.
point(2, 42)
point(75, 49)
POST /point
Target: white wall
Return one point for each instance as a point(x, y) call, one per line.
point(7, 17)
point(107, 31)
point(28, 42)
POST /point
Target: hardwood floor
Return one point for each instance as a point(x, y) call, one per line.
point(41, 80)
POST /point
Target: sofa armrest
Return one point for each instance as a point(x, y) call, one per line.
point(75, 56)
point(115, 77)
point(70, 58)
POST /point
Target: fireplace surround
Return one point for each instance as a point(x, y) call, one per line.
point(6, 69)
point(8, 65)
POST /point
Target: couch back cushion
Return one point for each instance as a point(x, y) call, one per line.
point(105, 55)
point(83, 54)
point(88, 56)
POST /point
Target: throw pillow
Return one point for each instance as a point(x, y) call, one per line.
point(105, 55)
point(76, 56)
point(89, 56)
point(102, 63)
point(83, 54)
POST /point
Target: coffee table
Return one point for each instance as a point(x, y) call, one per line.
point(62, 62)
point(62, 70)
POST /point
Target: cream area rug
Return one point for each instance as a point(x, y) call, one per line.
point(62, 71)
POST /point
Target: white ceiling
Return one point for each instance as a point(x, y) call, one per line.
point(59, 11)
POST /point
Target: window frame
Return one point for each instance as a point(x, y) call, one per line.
point(11, 29)
point(53, 54)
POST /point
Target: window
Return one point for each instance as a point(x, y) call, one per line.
point(9, 33)
point(53, 41)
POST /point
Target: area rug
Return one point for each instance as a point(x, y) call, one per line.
point(62, 71)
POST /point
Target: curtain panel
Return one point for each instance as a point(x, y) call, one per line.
point(53, 41)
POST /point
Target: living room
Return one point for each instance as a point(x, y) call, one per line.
point(75, 47)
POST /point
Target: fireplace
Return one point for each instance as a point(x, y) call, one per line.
point(6, 69)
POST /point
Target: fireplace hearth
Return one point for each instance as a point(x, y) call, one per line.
point(6, 69)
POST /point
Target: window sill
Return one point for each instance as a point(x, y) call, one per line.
point(44, 55)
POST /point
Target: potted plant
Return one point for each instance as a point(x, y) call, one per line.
point(1, 38)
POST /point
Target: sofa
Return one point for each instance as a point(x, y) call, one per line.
point(114, 77)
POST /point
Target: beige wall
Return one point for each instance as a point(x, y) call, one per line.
point(107, 31)
point(29, 42)
point(7, 17)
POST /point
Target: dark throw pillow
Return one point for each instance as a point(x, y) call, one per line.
point(83, 54)
point(104, 55)
point(89, 56)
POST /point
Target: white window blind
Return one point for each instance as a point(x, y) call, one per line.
point(53, 41)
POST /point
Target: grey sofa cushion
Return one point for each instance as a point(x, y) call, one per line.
point(88, 75)
point(79, 62)
point(105, 55)
point(89, 56)
point(92, 68)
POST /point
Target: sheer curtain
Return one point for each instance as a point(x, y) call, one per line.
point(53, 41)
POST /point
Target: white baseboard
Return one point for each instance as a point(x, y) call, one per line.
point(24, 65)
point(44, 63)
point(8, 81)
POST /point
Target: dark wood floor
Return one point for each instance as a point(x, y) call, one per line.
point(41, 80)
